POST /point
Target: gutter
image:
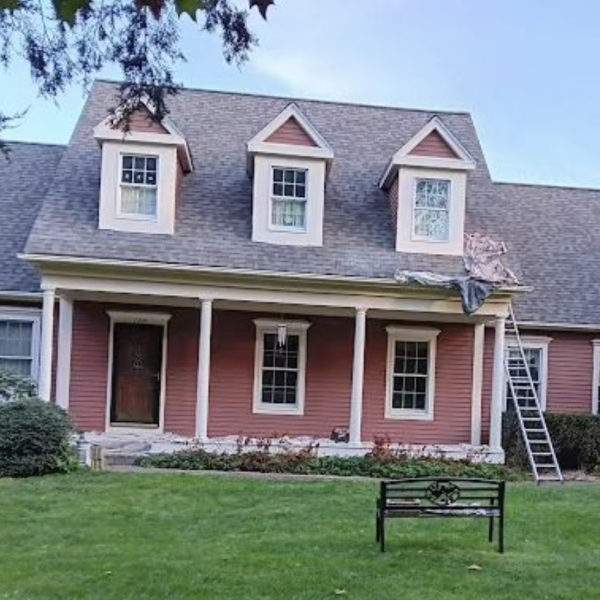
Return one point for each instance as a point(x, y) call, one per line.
point(25, 296)
point(41, 259)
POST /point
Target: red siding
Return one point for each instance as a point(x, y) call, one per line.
point(143, 122)
point(486, 396)
point(89, 366)
point(570, 371)
point(182, 369)
point(453, 386)
point(291, 132)
point(434, 145)
point(328, 382)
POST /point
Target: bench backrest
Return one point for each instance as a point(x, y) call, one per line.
point(443, 491)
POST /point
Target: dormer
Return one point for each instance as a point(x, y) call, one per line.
point(427, 185)
point(141, 171)
point(289, 161)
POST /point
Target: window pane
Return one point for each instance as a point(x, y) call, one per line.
point(138, 201)
point(21, 366)
point(151, 164)
point(16, 339)
point(277, 175)
point(289, 213)
point(431, 215)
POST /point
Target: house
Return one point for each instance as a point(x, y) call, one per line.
point(229, 272)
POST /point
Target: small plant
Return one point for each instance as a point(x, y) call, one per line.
point(383, 462)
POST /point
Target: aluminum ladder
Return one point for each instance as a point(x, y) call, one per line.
point(540, 450)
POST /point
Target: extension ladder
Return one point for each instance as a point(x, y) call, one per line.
point(540, 450)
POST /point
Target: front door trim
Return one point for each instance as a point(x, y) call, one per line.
point(137, 318)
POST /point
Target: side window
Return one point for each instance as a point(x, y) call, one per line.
point(19, 340)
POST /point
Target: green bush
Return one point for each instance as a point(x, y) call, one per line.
point(34, 439)
point(576, 440)
point(386, 464)
point(14, 387)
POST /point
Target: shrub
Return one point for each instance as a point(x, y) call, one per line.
point(382, 462)
point(576, 440)
point(34, 439)
point(14, 387)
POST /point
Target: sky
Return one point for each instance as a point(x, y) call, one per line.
point(527, 70)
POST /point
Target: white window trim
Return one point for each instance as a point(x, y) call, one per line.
point(534, 342)
point(410, 334)
point(133, 216)
point(34, 316)
point(421, 238)
point(272, 197)
point(596, 376)
point(137, 318)
point(298, 328)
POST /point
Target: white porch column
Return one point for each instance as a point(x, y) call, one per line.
point(203, 370)
point(358, 373)
point(478, 343)
point(45, 377)
point(63, 363)
point(497, 386)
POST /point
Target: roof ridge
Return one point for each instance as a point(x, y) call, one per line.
point(549, 185)
point(311, 100)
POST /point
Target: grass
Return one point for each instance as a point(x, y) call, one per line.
point(101, 536)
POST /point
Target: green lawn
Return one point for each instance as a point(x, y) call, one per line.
point(108, 536)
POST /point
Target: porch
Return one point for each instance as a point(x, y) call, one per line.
point(257, 360)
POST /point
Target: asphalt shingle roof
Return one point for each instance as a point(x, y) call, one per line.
point(213, 222)
point(554, 232)
point(548, 229)
point(24, 180)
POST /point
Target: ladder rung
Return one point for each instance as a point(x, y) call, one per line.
point(542, 453)
point(535, 430)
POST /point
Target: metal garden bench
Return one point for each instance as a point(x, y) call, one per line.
point(441, 497)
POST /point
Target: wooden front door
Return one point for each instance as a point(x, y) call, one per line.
point(137, 365)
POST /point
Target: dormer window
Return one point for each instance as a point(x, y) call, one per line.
point(139, 186)
point(289, 161)
point(289, 199)
point(142, 169)
point(427, 185)
point(431, 215)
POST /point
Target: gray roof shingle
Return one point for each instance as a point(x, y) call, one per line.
point(24, 181)
point(554, 232)
point(213, 223)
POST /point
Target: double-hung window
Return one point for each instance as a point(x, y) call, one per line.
point(19, 342)
point(431, 215)
point(280, 367)
point(536, 355)
point(410, 372)
point(289, 199)
point(139, 186)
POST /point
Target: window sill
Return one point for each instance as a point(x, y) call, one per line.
point(262, 409)
point(408, 415)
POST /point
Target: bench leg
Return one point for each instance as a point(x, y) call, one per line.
point(501, 534)
point(382, 533)
point(377, 533)
point(491, 530)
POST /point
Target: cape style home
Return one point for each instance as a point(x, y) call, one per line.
point(230, 271)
